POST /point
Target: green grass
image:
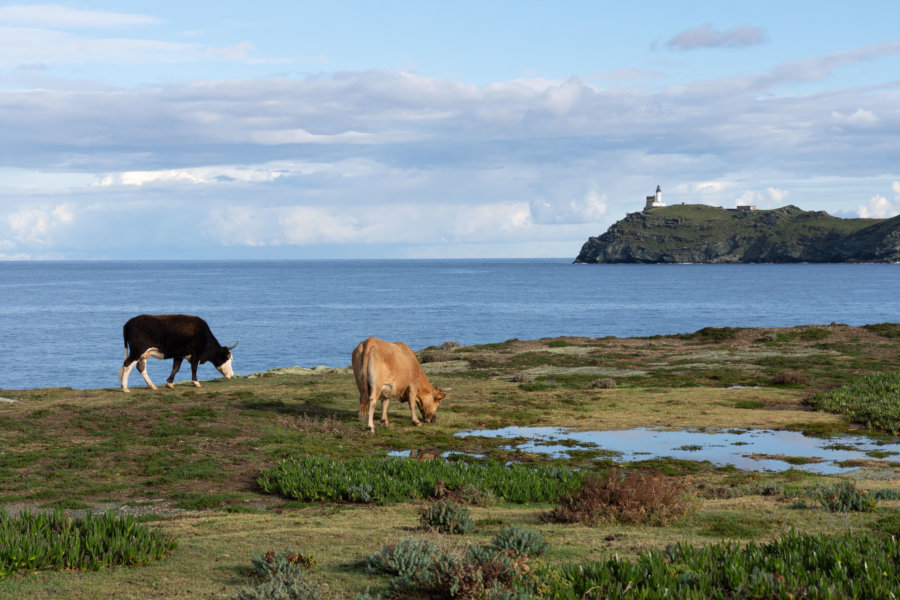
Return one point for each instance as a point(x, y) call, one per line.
point(386, 480)
point(871, 400)
point(30, 542)
point(797, 565)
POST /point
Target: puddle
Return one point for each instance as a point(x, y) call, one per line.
point(746, 449)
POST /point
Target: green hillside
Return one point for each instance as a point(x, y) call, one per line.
point(696, 233)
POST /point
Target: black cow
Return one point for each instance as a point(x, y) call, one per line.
point(177, 337)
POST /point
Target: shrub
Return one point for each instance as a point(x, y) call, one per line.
point(58, 541)
point(284, 587)
point(846, 497)
point(519, 541)
point(797, 565)
point(871, 399)
point(394, 479)
point(279, 576)
point(603, 384)
point(788, 377)
point(467, 494)
point(421, 569)
point(627, 498)
point(447, 517)
point(271, 563)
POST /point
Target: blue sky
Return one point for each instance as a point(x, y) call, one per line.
point(426, 129)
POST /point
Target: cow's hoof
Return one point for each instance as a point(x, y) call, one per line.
point(417, 423)
point(153, 387)
point(385, 423)
point(370, 430)
point(126, 390)
point(170, 385)
point(196, 383)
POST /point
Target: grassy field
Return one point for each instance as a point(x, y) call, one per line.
point(186, 461)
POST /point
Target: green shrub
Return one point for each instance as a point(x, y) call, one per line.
point(284, 587)
point(798, 565)
point(280, 576)
point(56, 541)
point(886, 494)
point(393, 479)
point(871, 400)
point(519, 541)
point(712, 334)
point(423, 570)
point(846, 497)
point(447, 517)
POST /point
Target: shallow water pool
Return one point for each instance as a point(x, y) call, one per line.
point(747, 449)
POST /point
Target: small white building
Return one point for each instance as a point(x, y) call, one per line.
point(655, 200)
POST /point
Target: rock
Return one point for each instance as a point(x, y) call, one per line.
point(695, 233)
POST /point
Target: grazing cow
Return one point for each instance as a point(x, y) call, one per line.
point(177, 337)
point(388, 370)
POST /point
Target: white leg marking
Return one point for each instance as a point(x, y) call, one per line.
point(124, 372)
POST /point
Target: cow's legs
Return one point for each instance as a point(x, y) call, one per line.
point(142, 369)
point(373, 395)
point(384, 406)
point(194, 373)
point(413, 394)
point(176, 364)
point(124, 372)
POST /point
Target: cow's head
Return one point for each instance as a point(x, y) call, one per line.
point(222, 361)
point(429, 401)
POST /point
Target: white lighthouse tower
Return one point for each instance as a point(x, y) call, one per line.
point(655, 200)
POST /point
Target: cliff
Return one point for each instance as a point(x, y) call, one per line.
point(695, 233)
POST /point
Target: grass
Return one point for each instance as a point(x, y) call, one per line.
point(871, 400)
point(187, 461)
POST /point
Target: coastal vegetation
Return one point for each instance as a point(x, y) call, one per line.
point(247, 467)
point(696, 233)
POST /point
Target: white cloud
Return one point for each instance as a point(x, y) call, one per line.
point(706, 36)
point(766, 198)
point(880, 207)
point(55, 15)
point(589, 208)
point(860, 118)
point(30, 46)
point(37, 225)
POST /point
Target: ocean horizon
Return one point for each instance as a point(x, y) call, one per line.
point(62, 320)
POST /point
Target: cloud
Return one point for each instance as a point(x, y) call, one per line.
point(630, 74)
point(706, 36)
point(766, 198)
point(57, 16)
point(589, 208)
point(880, 207)
point(37, 225)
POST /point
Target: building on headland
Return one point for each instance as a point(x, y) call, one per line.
point(655, 200)
point(743, 208)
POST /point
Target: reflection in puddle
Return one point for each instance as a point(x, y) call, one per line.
point(732, 447)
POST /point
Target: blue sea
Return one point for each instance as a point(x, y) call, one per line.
point(61, 322)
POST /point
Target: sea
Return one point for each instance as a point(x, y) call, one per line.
point(61, 322)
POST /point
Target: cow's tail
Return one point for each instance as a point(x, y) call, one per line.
point(362, 381)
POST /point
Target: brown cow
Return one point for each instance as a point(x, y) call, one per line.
point(388, 370)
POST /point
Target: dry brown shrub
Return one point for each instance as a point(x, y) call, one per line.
point(626, 498)
point(788, 377)
point(603, 384)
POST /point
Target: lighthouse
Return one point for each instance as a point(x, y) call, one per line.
point(655, 200)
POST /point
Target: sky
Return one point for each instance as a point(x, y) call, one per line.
point(401, 129)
